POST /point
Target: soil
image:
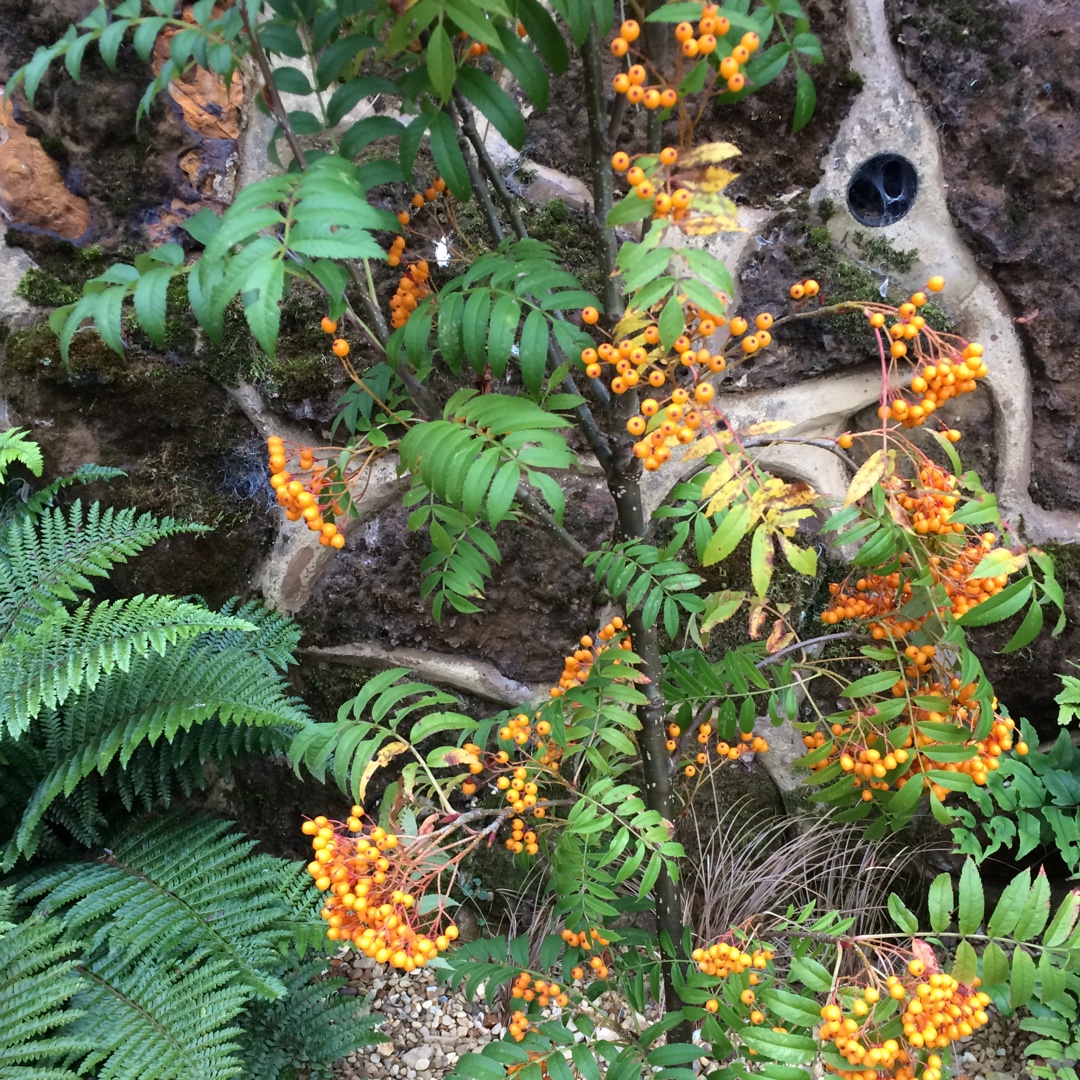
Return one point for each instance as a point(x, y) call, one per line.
point(538, 601)
point(1002, 82)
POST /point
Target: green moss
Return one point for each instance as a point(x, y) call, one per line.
point(572, 240)
point(879, 250)
point(850, 80)
point(43, 289)
point(819, 238)
point(825, 209)
point(36, 349)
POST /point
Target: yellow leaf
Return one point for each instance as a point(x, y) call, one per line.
point(717, 479)
point(707, 154)
point(632, 321)
point(725, 497)
point(383, 757)
point(872, 470)
point(716, 179)
point(780, 637)
point(707, 444)
point(767, 427)
point(759, 610)
point(708, 224)
point(797, 493)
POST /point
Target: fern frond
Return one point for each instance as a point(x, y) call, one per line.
point(308, 1028)
point(275, 636)
point(178, 885)
point(84, 474)
point(153, 1021)
point(15, 446)
point(37, 983)
point(71, 651)
point(156, 700)
point(49, 556)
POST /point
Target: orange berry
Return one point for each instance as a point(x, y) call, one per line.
point(736, 82)
point(629, 31)
point(621, 83)
point(337, 541)
point(684, 32)
point(620, 47)
point(669, 155)
point(590, 316)
point(620, 162)
point(328, 325)
point(637, 75)
point(669, 98)
point(936, 283)
point(417, 200)
point(340, 347)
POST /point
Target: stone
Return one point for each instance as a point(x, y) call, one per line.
point(32, 189)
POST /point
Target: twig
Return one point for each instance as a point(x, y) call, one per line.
point(468, 126)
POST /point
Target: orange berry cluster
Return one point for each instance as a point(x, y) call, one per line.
point(632, 82)
point(412, 286)
point(747, 743)
point(877, 759)
point(368, 898)
point(587, 940)
point(728, 958)
point(674, 419)
point(522, 839)
point(340, 347)
point(941, 370)
point(930, 505)
point(418, 199)
point(304, 500)
point(806, 289)
point(576, 666)
point(876, 597)
point(937, 1011)
point(527, 988)
point(669, 200)
point(702, 41)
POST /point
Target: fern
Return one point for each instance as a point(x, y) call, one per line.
point(16, 447)
point(70, 651)
point(309, 1027)
point(49, 556)
point(37, 982)
point(142, 729)
point(188, 949)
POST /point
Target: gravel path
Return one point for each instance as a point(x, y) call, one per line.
point(426, 1030)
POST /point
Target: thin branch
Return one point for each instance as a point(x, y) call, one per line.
point(824, 639)
point(602, 183)
point(468, 126)
point(531, 505)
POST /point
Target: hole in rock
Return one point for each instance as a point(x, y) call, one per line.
point(882, 190)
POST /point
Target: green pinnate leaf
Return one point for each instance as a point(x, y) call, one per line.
point(1011, 903)
point(972, 904)
point(1036, 910)
point(1021, 979)
point(940, 902)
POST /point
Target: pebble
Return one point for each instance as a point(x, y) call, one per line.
point(424, 1031)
